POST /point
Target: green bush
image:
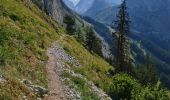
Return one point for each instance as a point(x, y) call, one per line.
point(78, 81)
point(3, 36)
point(123, 87)
point(152, 93)
point(14, 17)
point(126, 88)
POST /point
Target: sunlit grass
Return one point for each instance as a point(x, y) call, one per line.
point(93, 67)
point(24, 38)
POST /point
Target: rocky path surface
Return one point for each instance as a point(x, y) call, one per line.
point(56, 62)
point(55, 87)
point(56, 65)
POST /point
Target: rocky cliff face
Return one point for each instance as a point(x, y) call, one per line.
point(54, 8)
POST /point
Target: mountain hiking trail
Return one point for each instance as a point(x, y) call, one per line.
point(57, 63)
point(55, 86)
point(57, 58)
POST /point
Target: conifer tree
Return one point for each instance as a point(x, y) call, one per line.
point(80, 35)
point(92, 42)
point(70, 22)
point(123, 60)
point(147, 73)
point(90, 37)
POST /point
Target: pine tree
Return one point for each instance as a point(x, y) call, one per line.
point(80, 35)
point(123, 60)
point(92, 42)
point(147, 73)
point(70, 22)
point(90, 36)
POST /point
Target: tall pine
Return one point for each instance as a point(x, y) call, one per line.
point(123, 60)
point(92, 42)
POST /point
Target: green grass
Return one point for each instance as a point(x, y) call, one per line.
point(80, 85)
point(25, 36)
point(93, 67)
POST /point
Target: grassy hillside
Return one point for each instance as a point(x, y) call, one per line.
point(25, 35)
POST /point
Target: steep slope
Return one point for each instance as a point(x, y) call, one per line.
point(55, 85)
point(87, 5)
point(81, 7)
point(149, 25)
point(69, 4)
point(105, 33)
point(26, 34)
point(24, 37)
point(98, 6)
point(156, 14)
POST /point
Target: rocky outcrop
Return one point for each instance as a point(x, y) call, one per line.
point(38, 90)
point(2, 79)
point(54, 8)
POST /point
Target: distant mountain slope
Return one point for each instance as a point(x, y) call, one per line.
point(69, 4)
point(105, 34)
point(98, 6)
point(149, 22)
point(81, 7)
point(95, 8)
point(148, 19)
point(102, 29)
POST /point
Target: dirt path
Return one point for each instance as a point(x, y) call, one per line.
point(57, 63)
point(55, 87)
